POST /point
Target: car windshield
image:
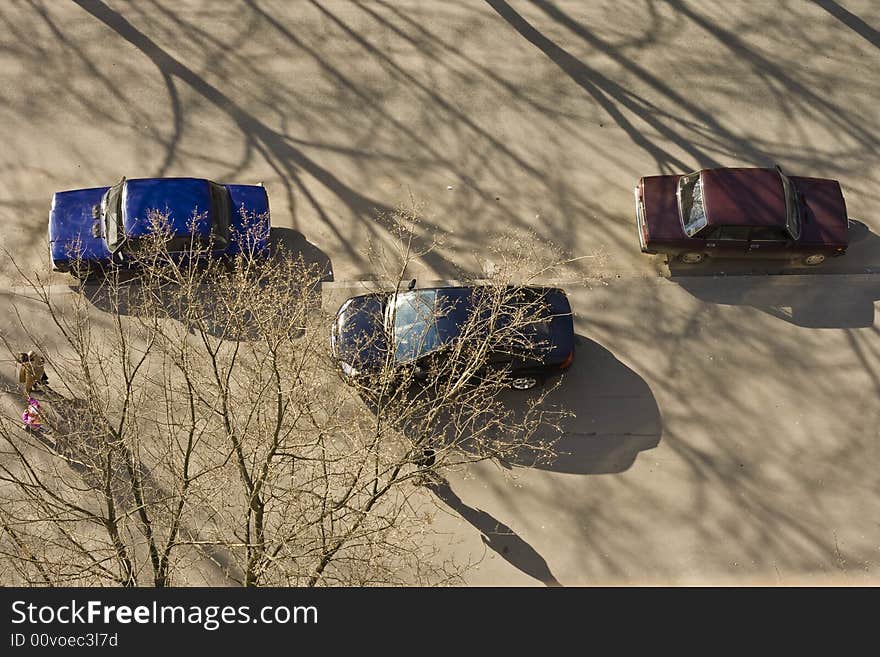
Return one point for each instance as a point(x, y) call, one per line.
point(413, 324)
point(111, 208)
point(423, 320)
point(690, 203)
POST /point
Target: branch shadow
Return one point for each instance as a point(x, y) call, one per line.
point(606, 92)
point(852, 21)
point(498, 536)
point(288, 161)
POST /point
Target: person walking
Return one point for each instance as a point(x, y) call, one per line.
point(31, 371)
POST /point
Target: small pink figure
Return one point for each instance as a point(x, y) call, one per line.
point(31, 416)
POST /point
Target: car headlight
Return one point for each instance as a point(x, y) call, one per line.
point(348, 369)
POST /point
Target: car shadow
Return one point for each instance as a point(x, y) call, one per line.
point(604, 412)
point(808, 302)
point(122, 299)
point(615, 415)
point(819, 302)
point(294, 242)
point(862, 257)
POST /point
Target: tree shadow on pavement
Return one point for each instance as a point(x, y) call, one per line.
point(498, 537)
point(852, 21)
point(615, 415)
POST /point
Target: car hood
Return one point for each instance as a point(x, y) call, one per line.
point(661, 207)
point(358, 337)
point(71, 225)
point(825, 220)
point(559, 331)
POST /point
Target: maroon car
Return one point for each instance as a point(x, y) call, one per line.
point(741, 212)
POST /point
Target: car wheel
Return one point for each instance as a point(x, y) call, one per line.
point(691, 257)
point(814, 259)
point(523, 383)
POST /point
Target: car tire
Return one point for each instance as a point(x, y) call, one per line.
point(692, 257)
point(814, 259)
point(524, 382)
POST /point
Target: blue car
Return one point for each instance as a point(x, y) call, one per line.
point(103, 226)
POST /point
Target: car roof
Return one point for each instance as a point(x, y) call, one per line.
point(743, 197)
point(448, 288)
point(180, 196)
point(477, 286)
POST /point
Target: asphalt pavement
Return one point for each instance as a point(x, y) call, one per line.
point(727, 414)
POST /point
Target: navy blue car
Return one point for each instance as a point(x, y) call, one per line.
point(414, 328)
point(103, 226)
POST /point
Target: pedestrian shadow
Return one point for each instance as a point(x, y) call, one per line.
point(498, 536)
point(615, 416)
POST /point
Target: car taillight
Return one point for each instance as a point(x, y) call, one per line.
point(567, 362)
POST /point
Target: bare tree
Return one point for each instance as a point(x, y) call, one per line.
point(199, 428)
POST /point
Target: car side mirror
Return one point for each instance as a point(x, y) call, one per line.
point(412, 285)
point(419, 373)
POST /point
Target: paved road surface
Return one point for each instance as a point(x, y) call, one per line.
point(728, 420)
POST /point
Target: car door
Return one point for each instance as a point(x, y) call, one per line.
point(769, 242)
point(727, 241)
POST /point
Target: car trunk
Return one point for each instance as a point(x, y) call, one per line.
point(825, 220)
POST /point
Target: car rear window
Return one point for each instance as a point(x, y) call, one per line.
point(112, 209)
